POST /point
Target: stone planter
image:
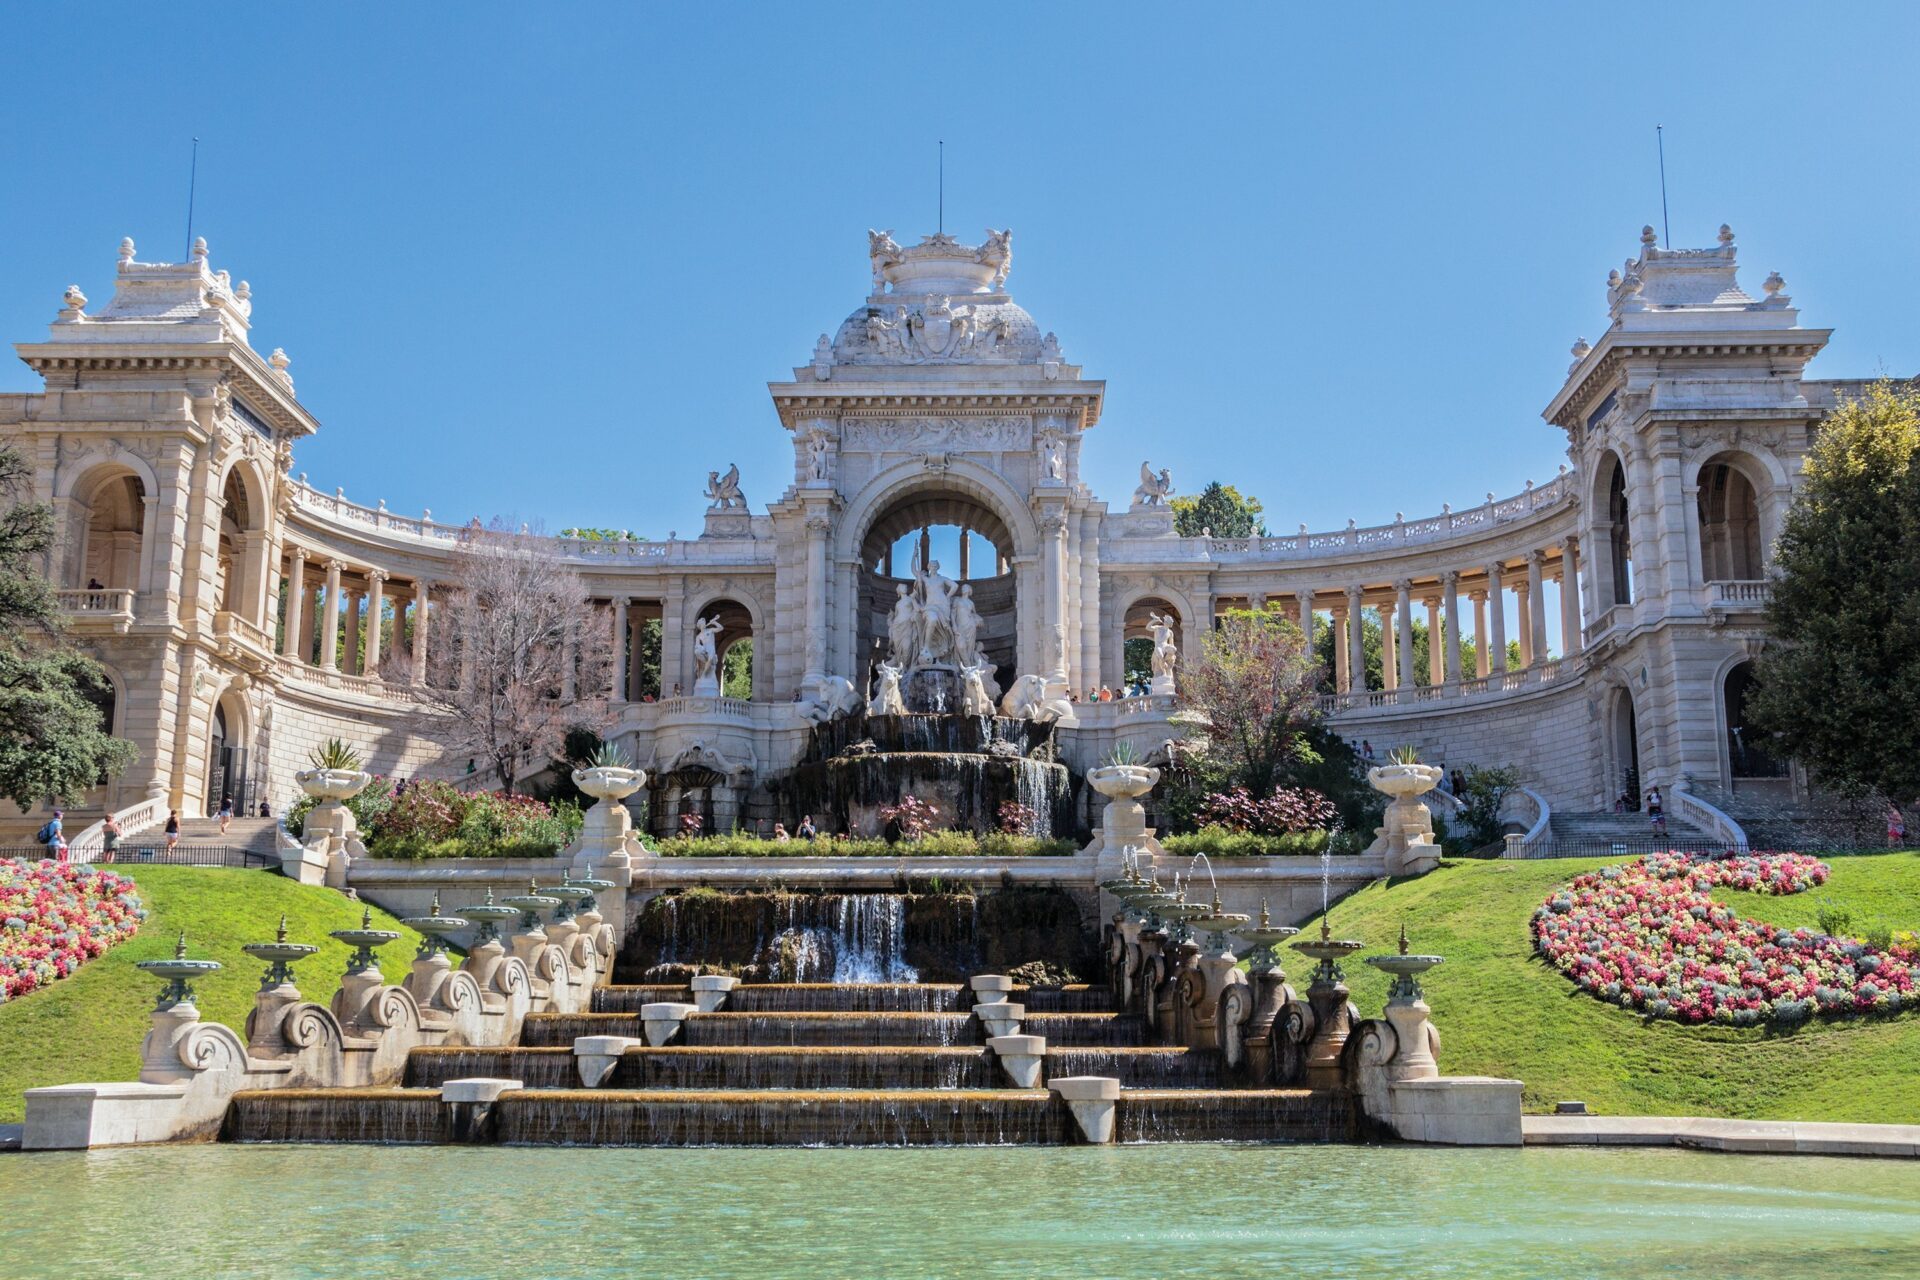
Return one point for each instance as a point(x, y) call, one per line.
point(1404, 781)
point(333, 784)
point(1405, 837)
point(609, 784)
point(1123, 781)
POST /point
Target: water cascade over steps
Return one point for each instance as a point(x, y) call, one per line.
point(850, 1064)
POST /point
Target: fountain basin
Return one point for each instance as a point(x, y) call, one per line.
point(333, 784)
point(609, 783)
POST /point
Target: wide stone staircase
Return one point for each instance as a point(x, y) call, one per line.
point(244, 836)
point(854, 1064)
point(1632, 834)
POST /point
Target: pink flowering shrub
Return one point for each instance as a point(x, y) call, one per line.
point(914, 816)
point(55, 916)
point(1649, 936)
point(1016, 819)
point(1287, 810)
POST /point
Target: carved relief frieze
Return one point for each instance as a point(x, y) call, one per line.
point(923, 435)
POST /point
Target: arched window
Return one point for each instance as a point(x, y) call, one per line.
point(733, 643)
point(1619, 538)
point(1747, 754)
point(1729, 525)
point(1137, 645)
point(116, 511)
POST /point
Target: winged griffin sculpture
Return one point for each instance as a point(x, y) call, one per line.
point(1153, 490)
point(724, 491)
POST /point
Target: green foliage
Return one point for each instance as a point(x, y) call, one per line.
point(1124, 753)
point(1220, 508)
point(89, 1026)
point(334, 754)
point(1137, 659)
point(1406, 753)
point(1503, 1013)
point(53, 739)
point(1324, 638)
point(736, 670)
point(935, 844)
point(1835, 920)
point(608, 755)
point(1251, 696)
point(438, 820)
point(586, 534)
point(1218, 842)
point(1839, 686)
point(1482, 791)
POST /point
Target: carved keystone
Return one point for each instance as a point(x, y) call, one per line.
point(595, 1057)
point(1022, 1057)
point(991, 988)
point(662, 1022)
point(1092, 1100)
point(1000, 1018)
point(710, 990)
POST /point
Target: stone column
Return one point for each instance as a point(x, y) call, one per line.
point(1356, 644)
point(1450, 588)
point(350, 660)
point(1497, 619)
point(421, 591)
point(1571, 641)
point(330, 618)
point(376, 604)
point(1054, 565)
point(966, 552)
point(1389, 647)
point(1523, 614)
point(1537, 605)
point(816, 638)
point(1436, 655)
point(1305, 596)
point(296, 605)
point(1340, 616)
point(1403, 621)
point(1481, 645)
point(617, 683)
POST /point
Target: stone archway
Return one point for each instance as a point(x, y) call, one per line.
point(1728, 510)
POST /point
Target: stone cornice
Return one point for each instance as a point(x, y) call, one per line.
point(1595, 374)
point(798, 401)
point(254, 378)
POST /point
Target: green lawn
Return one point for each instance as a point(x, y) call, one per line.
point(89, 1026)
point(1502, 1012)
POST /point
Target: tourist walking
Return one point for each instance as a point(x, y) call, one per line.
point(1366, 751)
point(1896, 827)
point(109, 838)
point(173, 829)
point(53, 837)
point(226, 814)
point(1656, 811)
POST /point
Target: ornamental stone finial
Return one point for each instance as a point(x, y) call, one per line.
point(199, 248)
point(1580, 348)
point(1613, 279)
point(244, 292)
point(1647, 237)
point(279, 359)
point(126, 250)
point(1726, 236)
point(76, 303)
point(1773, 284)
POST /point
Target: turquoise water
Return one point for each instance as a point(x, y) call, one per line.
point(1144, 1213)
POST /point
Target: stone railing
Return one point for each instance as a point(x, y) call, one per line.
point(1695, 812)
point(1551, 672)
point(142, 816)
point(365, 686)
point(1519, 842)
point(1738, 593)
point(725, 708)
point(231, 626)
point(1448, 525)
point(96, 602)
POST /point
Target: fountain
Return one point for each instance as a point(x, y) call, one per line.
point(174, 1017)
point(527, 943)
point(1407, 1011)
point(1270, 995)
point(1216, 970)
point(177, 970)
point(277, 992)
point(430, 965)
point(1333, 1013)
point(362, 983)
point(487, 951)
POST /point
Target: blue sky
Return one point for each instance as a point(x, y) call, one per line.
point(540, 261)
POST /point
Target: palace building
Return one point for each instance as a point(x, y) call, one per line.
point(216, 584)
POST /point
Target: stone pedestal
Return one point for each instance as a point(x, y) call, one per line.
point(710, 990)
point(1215, 973)
point(1332, 1023)
point(1021, 1057)
point(1123, 820)
point(1405, 836)
point(160, 1052)
point(1093, 1100)
point(265, 1037)
point(428, 975)
point(1000, 1018)
point(360, 988)
point(661, 1021)
point(483, 960)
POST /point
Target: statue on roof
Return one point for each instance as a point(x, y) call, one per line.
point(884, 252)
point(724, 491)
point(997, 251)
point(1153, 491)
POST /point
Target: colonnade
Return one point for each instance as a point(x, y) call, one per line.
point(320, 590)
point(1439, 595)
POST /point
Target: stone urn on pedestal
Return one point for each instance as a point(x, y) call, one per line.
point(1123, 822)
point(331, 834)
point(1405, 836)
point(607, 828)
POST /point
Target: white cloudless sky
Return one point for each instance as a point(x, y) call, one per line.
point(540, 261)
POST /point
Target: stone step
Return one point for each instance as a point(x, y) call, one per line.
point(723, 1067)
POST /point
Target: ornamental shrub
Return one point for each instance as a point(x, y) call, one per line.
point(1220, 842)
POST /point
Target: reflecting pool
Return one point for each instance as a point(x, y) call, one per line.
point(1138, 1212)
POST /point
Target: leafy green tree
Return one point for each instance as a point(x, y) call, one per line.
point(1220, 508)
point(53, 742)
point(1838, 687)
point(736, 670)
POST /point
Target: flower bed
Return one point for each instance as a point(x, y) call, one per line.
point(1649, 936)
point(54, 917)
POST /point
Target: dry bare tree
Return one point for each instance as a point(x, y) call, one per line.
point(517, 654)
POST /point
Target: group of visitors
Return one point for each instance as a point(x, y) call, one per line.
point(805, 831)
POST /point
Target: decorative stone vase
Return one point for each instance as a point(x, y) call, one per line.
point(1405, 836)
point(608, 783)
point(333, 785)
point(1123, 823)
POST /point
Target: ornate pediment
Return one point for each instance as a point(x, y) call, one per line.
point(929, 435)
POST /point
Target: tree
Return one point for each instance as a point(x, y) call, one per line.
point(53, 742)
point(1838, 686)
point(518, 655)
point(1250, 696)
point(1220, 508)
point(736, 669)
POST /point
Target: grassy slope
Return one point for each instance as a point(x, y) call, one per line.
point(89, 1026)
point(1502, 1012)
